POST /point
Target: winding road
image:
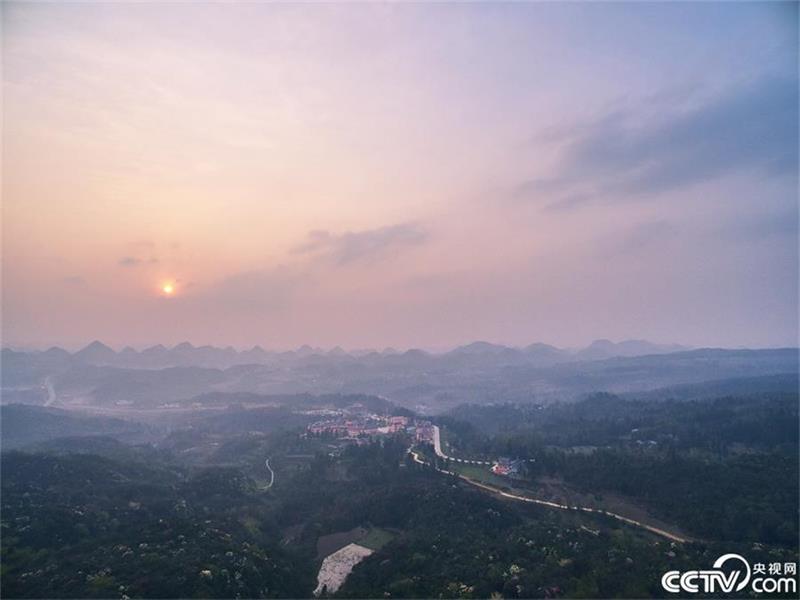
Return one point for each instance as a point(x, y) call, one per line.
point(271, 476)
point(437, 447)
point(51, 392)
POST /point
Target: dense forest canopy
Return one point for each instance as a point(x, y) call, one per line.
point(190, 514)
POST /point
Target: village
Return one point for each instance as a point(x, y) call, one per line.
point(356, 425)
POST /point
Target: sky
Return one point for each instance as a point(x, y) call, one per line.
point(417, 175)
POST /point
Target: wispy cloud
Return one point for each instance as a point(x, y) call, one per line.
point(132, 261)
point(623, 155)
point(370, 244)
point(256, 291)
point(646, 234)
point(760, 227)
point(129, 261)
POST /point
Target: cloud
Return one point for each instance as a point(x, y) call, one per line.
point(281, 289)
point(568, 202)
point(644, 235)
point(262, 291)
point(370, 244)
point(129, 261)
point(763, 226)
point(132, 261)
point(634, 154)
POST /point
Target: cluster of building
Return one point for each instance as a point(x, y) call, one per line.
point(360, 426)
point(423, 432)
point(506, 467)
point(357, 425)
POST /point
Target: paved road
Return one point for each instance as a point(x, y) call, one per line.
point(437, 447)
point(499, 492)
point(51, 392)
point(271, 476)
point(437, 443)
point(599, 511)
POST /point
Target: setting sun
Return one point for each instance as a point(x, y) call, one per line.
point(168, 289)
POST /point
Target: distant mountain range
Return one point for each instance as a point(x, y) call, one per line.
point(479, 372)
point(185, 354)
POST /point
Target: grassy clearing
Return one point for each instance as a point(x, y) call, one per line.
point(376, 538)
point(328, 544)
point(373, 538)
point(479, 473)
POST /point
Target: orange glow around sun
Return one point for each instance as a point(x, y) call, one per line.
point(168, 288)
